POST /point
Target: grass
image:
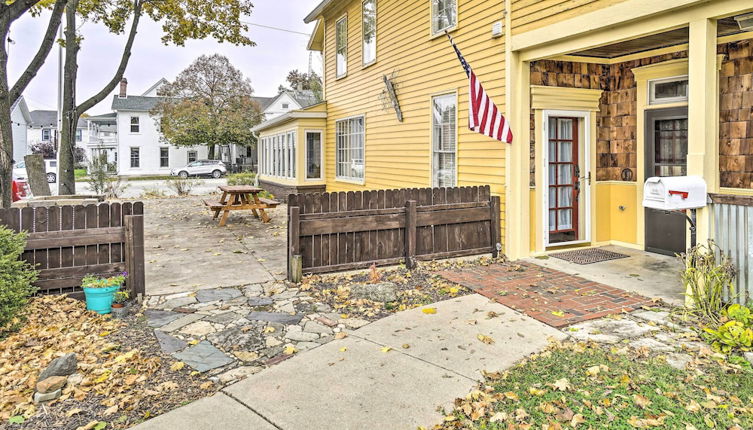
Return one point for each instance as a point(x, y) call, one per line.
point(590, 387)
point(80, 173)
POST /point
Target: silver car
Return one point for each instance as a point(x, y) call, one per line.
point(213, 168)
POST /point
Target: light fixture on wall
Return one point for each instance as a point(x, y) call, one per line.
point(745, 21)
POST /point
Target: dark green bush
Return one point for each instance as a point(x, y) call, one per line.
point(246, 178)
point(16, 279)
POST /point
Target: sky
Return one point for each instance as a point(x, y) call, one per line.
point(266, 64)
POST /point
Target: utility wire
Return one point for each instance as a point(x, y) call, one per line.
point(276, 28)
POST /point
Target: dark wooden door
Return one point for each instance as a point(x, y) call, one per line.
point(564, 185)
point(666, 155)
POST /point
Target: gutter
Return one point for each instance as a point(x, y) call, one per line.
point(314, 14)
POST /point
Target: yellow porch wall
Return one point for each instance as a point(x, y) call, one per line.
point(300, 126)
point(616, 212)
point(398, 154)
point(532, 14)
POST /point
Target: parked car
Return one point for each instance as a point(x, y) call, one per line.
point(213, 168)
point(51, 167)
point(19, 190)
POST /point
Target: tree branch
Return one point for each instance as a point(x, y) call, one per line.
point(44, 50)
point(93, 100)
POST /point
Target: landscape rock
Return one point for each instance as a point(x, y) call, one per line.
point(275, 317)
point(235, 338)
point(168, 343)
point(326, 321)
point(198, 329)
point(253, 290)
point(301, 336)
point(315, 327)
point(303, 346)
point(51, 384)
point(203, 357)
point(181, 322)
point(382, 292)
point(204, 296)
point(354, 323)
point(749, 356)
point(246, 355)
point(156, 318)
point(260, 301)
point(607, 329)
point(47, 397)
point(678, 361)
point(651, 344)
point(178, 302)
point(239, 373)
point(224, 318)
point(61, 366)
point(271, 342)
point(75, 379)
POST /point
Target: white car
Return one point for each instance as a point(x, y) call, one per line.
point(51, 167)
point(213, 168)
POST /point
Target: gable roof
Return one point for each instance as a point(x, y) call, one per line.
point(305, 98)
point(21, 104)
point(135, 103)
point(49, 118)
point(264, 102)
point(159, 83)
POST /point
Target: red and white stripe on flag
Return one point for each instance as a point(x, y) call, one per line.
point(483, 115)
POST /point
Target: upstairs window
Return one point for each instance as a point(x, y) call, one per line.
point(369, 31)
point(341, 46)
point(670, 90)
point(79, 135)
point(444, 15)
point(45, 134)
point(135, 125)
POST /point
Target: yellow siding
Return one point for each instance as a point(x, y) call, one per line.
point(532, 14)
point(300, 126)
point(398, 154)
point(616, 212)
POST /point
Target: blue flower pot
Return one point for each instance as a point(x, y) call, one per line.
point(100, 299)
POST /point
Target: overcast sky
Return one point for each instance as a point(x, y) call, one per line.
point(266, 64)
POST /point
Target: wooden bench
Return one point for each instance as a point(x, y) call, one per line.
point(269, 202)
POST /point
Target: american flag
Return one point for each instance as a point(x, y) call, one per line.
point(483, 115)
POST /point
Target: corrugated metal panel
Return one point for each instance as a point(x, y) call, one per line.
point(734, 236)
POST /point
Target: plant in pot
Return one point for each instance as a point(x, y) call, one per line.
point(119, 300)
point(100, 291)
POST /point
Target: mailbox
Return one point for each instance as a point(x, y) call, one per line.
point(674, 193)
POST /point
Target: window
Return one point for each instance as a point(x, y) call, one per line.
point(278, 155)
point(285, 105)
point(164, 157)
point(192, 156)
point(443, 138)
point(79, 134)
point(369, 31)
point(135, 126)
point(341, 46)
point(670, 90)
point(349, 139)
point(313, 155)
point(135, 158)
point(444, 15)
point(45, 134)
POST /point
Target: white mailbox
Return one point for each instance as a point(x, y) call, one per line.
point(675, 193)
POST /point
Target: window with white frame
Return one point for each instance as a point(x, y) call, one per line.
point(313, 155)
point(192, 156)
point(444, 140)
point(668, 90)
point(444, 15)
point(46, 134)
point(135, 158)
point(369, 22)
point(277, 155)
point(349, 137)
point(135, 124)
point(341, 46)
point(164, 156)
point(79, 134)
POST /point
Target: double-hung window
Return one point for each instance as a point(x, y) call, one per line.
point(444, 140)
point(341, 46)
point(349, 136)
point(444, 15)
point(79, 134)
point(369, 23)
point(192, 156)
point(46, 134)
point(135, 158)
point(135, 124)
point(164, 157)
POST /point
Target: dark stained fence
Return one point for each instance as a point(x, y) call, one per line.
point(66, 243)
point(349, 230)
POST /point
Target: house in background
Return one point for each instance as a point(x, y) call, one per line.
point(103, 137)
point(44, 129)
point(600, 96)
point(287, 101)
point(20, 118)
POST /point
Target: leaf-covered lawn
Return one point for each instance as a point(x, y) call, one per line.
point(590, 387)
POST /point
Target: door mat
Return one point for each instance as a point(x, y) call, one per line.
point(588, 256)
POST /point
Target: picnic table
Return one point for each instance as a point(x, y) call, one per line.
point(240, 198)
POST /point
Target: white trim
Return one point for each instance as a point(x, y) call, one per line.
point(350, 179)
point(286, 117)
point(320, 132)
point(651, 85)
point(440, 32)
point(339, 75)
point(431, 134)
point(587, 148)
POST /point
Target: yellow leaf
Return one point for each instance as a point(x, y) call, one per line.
point(269, 329)
point(386, 349)
point(193, 342)
point(104, 333)
point(103, 377)
point(344, 316)
point(343, 349)
point(406, 346)
point(111, 410)
point(485, 339)
point(127, 356)
point(562, 384)
point(641, 401)
point(558, 313)
point(536, 391)
point(341, 335)
point(73, 412)
point(429, 311)
point(177, 366)
point(577, 419)
point(207, 385)
point(289, 350)
point(511, 396)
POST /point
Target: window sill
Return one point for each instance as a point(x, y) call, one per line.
point(337, 78)
point(367, 65)
point(351, 181)
point(441, 33)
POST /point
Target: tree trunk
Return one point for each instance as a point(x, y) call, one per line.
point(67, 144)
point(6, 136)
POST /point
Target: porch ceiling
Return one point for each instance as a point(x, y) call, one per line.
point(679, 36)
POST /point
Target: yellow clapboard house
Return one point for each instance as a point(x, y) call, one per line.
point(601, 95)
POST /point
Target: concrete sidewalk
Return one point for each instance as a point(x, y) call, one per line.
point(357, 383)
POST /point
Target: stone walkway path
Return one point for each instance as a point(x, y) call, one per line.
point(550, 296)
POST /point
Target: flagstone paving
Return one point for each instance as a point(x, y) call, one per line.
point(550, 296)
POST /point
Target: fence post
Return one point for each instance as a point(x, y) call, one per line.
point(410, 234)
point(134, 250)
point(496, 230)
point(295, 264)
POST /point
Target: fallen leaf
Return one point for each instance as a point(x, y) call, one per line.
point(289, 350)
point(485, 339)
point(429, 311)
point(177, 366)
point(558, 313)
point(562, 384)
point(386, 349)
point(343, 349)
point(341, 335)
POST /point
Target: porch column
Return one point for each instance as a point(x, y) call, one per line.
point(517, 202)
point(703, 112)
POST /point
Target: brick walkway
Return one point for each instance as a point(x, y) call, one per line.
point(550, 296)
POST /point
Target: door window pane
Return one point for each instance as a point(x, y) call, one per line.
point(671, 147)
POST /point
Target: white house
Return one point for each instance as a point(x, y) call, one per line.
point(103, 137)
point(287, 101)
point(20, 119)
point(140, 147)
point(44, 128)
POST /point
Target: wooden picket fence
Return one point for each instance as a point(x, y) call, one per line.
point(66, 243)
point(330, 232)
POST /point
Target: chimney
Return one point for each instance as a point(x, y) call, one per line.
point(123, 88)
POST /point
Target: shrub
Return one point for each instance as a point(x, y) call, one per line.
point(246, 178)
point(707, 275)
point(736, 332)
point(16, 279)
point(182, 186)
